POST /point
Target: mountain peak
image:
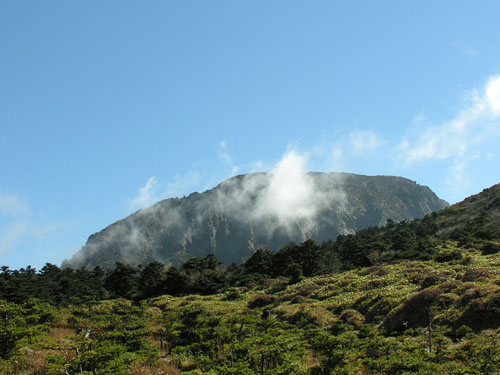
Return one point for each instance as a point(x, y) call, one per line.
point(256, 210)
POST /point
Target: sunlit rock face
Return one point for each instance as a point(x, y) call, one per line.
point(258, 210)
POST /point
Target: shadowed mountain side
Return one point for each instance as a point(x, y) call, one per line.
point(252, 211)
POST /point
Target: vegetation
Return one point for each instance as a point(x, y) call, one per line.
point(409, 298)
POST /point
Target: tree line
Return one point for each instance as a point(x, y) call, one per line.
point(417, 240)
point(199, 275)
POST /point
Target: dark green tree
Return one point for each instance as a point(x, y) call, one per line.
point(152, 280)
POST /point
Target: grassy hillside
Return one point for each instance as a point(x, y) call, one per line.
point(417, 317)
point(410, 298)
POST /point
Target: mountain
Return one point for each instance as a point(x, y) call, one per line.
point(432, 311)
point(258, 210)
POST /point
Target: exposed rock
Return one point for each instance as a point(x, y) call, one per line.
point(254, 211)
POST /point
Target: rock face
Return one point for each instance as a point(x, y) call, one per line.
point(256, 210)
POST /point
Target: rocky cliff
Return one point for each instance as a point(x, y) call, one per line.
point(256, 210)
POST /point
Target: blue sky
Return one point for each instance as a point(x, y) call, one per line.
point(107, 107)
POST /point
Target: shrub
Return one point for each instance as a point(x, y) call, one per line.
point(306, 289)
point(261, 301)
point(471, 293)
point(277, 285)
point(431, 281)
point(462, 331)
point(232, 295)
point(448, 256)
point(298, 299)
point(417, 278)
point(476, 274)
point(482, 313)
point(489, 248)
point(353, 317)
point(376, 270)
point(415, 310)
point(314, 316)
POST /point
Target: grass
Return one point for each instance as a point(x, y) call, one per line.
point(394, 302)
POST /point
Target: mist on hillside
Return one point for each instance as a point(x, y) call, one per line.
point(283, 202)
point(257, 210)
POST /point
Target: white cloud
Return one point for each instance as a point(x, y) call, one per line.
point(257, 166)
point(12, 234)
point(456, 143)
point(418, 119)
point(154, 191)
point(458, 179)
point(492, 96)
point(453, 139)
point(183, 184)
point(11, 204)
point(226, 158)
point(459, 168)
point(336, 155)
point(290, 191)
point(466, 50)
point(459, 147)
point(287, 195)
point(19, 224)
point(363, 141)
point(147, 195)
point(440, 142)
point(223, 154)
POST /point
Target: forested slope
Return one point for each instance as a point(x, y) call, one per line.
point(420, 297)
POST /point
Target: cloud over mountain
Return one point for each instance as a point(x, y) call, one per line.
point(256, 210)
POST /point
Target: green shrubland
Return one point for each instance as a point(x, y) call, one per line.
point(409, 298)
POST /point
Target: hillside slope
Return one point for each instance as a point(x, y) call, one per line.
point(411, 317)
point(431, 307)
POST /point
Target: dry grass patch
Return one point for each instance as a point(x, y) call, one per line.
point(160, 368)
point(34, 361)
point(61, 333)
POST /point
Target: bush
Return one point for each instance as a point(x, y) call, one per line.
point(416, 311)
point(232, 295)
point(489, 248)
point(448, 256)
point(482, 313)
point(476, 274)
point(376, 270)
point(431, 281)
point(353, 317)
point(261, 301)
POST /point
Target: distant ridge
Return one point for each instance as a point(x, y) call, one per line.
point(256, 210)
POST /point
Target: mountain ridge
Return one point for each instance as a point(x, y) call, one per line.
point(259, 210)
